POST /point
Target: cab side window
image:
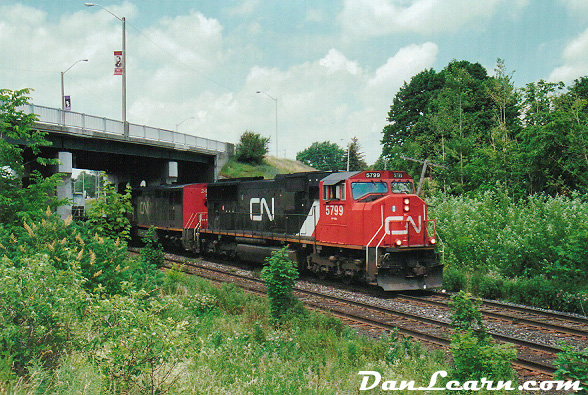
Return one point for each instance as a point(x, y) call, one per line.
point(334, 192)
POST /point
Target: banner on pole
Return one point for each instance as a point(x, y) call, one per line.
point(67, 101)
point(118, 63)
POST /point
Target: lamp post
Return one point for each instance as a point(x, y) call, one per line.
point(276, 101)
point(63, 90)
point(178, 124)
point(348, 152)
point(124, 66)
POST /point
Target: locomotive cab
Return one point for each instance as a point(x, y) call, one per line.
point(378, 213)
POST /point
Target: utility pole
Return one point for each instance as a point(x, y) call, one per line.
point(425, 163)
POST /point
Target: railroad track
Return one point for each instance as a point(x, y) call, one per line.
point(532, 357)
point(552, 322)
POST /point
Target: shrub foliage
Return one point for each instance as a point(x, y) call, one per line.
point(280, 274)
point(251, 148)
point(475, 355)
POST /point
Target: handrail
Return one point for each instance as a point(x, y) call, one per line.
point(367, 247)
point(85, 122)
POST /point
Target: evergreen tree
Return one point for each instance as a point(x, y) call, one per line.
point(356, 157)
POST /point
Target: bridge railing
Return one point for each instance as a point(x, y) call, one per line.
point(85, 122)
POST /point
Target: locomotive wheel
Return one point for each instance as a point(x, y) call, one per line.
point(322, 274)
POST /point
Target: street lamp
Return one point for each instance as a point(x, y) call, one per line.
point(124, 65)
point(275, 100)
point(63, 89)
point(178, 124)
point(348, 152)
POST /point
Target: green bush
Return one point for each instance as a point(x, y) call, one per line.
point(474, 353)
point(527, 245)
point(145, 273)
point(251, 148)
point(475, 358)
point(41, 308)
point(135, 346)
point(490, 286)
point(573, 364)
point(454, 279)
point(152, 251)
point(280, 274)
point(109, 215)
point(103, 262)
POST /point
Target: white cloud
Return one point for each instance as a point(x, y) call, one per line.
point(332, 98)
point(244, 8)
point(574, 56)
point(404, 64)
point(577, 7)
point(180, 67)
point(335, 61)
point(370, 18)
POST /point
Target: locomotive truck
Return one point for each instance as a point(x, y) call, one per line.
point(367, 226)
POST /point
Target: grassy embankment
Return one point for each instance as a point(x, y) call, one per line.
point(270, 167)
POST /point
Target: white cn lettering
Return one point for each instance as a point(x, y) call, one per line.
point(399, 218)
point(262, 206)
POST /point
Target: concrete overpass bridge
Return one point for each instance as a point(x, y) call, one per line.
point(127, 152)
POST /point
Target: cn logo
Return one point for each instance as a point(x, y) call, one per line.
point(144, 207)
point(256, 208)
point(404, 231)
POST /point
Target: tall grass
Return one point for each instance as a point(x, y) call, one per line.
point(230, 346)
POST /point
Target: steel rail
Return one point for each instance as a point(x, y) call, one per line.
point(522, 362)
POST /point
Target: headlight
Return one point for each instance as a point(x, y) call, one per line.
point(406, 200)
point(433, 240)
point(398, 242)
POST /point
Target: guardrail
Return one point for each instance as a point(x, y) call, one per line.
point(85, 122)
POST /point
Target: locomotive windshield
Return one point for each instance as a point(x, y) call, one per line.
point(402, 187)
point(361, 189)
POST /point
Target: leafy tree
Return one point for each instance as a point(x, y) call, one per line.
point(356, 157)
point(459, 117)
point(251, 148)
point(501, 157)
point(409, 130)
point(554, 138)
point(23, 195)
point(462, 120)
point(323, 156)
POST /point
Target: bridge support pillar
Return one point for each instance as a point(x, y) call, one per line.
point(171, 172)
point(64, 190)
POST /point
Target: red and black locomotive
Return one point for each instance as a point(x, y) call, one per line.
point(367, 226)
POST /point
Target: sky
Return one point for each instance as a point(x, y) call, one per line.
point(331, 69)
